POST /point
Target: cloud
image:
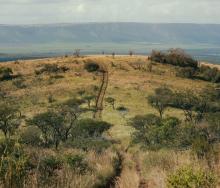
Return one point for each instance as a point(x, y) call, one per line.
point(53, 11)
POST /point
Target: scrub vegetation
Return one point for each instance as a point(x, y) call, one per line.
point(160, 122)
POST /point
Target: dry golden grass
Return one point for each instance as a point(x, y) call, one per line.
point(102, 165)
point(130, 88)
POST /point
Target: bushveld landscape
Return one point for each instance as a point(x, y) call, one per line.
point(106, 121)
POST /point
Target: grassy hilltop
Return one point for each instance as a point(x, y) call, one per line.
point(132, 79)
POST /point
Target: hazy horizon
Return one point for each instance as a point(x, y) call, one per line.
point(108, 22)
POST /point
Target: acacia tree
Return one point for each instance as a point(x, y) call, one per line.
point(111, 101)
point(51, 126)
point(113, 55)
point(131, 53)
point(103, 69)
point(89, 99)
point(160, 99)
point(56, 125)
point(152, 132)
point(186, 101)
point(9, 119)
point(77, 53)
point(70, 116)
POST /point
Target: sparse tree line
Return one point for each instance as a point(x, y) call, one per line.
point(187, 66)
point(200, 130)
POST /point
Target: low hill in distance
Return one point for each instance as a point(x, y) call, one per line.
point(200, 40)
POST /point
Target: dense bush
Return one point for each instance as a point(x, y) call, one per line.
point(51, 125)
point(31, 136)
point(153, 132)
point(5, 73)
point(176, 57)
point(56, 126)
point(87, 135)
point(209, 74)
point(87, 128)
point(187, 72)
point(51, 68)
point(189, 67)
point(187, 177)
point(92, 67)
point(161, 99)
point(48, 166)
point(78, 163)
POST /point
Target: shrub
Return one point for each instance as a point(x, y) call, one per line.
point(5, 73)
point(89, 128)
point(13, 166)
point(50, 98)
point(9, 119)
point(214, 124)
point(149, 67)
point(187, 72)
point(31, 136)
point(51, 125)
point(48, 165)
point(86, 144)
point(74, 102)
point(176, 57)
point(161, 99)
point(88, 98)
point(19, 83)
point(209, 74)
point(6, 147)
point(122, 110)
point(201, 146)
point(92, 67)
point(153, 132)
point(191, 178)
point(78, 163)
point(2, 93)
point(51, 68)
point(111, 101)
point(87, 135)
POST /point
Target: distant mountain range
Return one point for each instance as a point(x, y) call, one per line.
point(111, 32)
point(27, 41)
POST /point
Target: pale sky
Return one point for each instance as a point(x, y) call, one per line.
point(72, 11)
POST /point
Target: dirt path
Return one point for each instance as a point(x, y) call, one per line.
point(129, 173)
point(142, 181)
